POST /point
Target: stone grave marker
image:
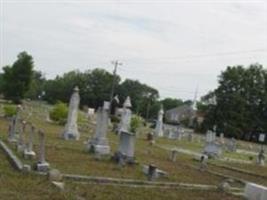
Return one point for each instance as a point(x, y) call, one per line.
point(12, 130)
point(126, 116)
point(21, 140)
point(159, 125)
point(99, 144)
point(212, 148)
point(126, 148)
point(28, 151)
point(71, 128)
point(231, 146)
point(42, 165)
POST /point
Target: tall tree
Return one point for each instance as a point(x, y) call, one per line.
point(142, 96)
point(17, 78)
point(241, 101)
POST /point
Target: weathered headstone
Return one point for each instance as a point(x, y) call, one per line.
point(222, 138)
point(152, 172)
point(203, 162)
point(190, 137)
point(159, 125)
point(28, 152)
point(99, 144)
point(173, 155)
point(231, 146)
point(126, 148)
point(71, 128)
point(126, 116)
point(261, 158)
point(212, 148)
point(12, 130)
point(21, 142)
point(42, 165)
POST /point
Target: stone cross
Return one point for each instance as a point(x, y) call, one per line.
point(42, 165)
point(99, 144)
point(71, 128)
point(29, 153)
point(159, 125)
point(126, 116)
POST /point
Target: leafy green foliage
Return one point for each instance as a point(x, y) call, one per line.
point(59, 113)
point(37, 86)
point(10, 110)
point(142, 96)
point(17, 78)
point(136, 122)
point(241, 102)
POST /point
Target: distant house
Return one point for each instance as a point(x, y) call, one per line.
point(176, 115)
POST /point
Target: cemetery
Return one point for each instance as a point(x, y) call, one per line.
point(133, 99)
point(86, 159)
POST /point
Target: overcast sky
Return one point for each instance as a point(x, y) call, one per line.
point(173, 46)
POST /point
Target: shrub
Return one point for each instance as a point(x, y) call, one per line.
point(59, 113)
point(10, 110)
point(136, 122)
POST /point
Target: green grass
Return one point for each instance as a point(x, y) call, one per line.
point(71, 157)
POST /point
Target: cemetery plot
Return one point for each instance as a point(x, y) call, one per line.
point(165, 160)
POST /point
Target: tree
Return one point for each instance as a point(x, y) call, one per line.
point(95, 87)
point(241, 101)
point(17, 78)
point(36, 86)
point(142, 96)
point(169, 103)
point(1, 83)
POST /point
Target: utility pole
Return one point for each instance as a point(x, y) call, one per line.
point(116, 63)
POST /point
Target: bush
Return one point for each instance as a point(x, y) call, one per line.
point(136, 122)
point(114, 119)
point(10, 110)
point(59, 113)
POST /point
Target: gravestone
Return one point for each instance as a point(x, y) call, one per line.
point(231, 146)
point(42, 165)
point(212, 148)
point(126, 148)
point(126, 116)
point(190, 137)
point(222, 138)
point(261, 158)
point(159, 125)
point(153, 172)
point(28, 152)
point(12, 130)
point(203, 162)
point(173, 155)
point(150, 138)
point(71, 128)
point(99, 144)
point(21, 142)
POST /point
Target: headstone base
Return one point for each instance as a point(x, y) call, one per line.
point(123, 159)
point(29, 154)
point(100, 149)
point(42, 167)
point(71, 136)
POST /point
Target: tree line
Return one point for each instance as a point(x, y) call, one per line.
point(237, 107)
point(20, 81)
